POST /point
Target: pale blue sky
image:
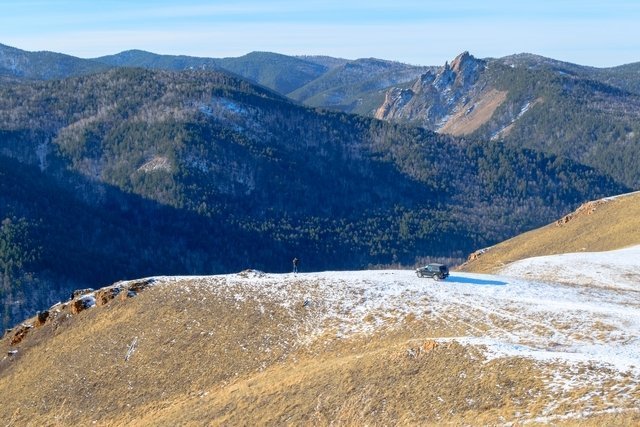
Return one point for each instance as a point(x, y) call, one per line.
point(427, 32)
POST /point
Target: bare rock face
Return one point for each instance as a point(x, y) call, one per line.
point(41, 318)
point(394, 100)
point(20, 333)
point(477, 254)
point(584, 209)
point(434, 97)
point(81, 300)
point(140, 285)
point(80, 292)
point(82, 304)
point(104, 295)
point(466, 69)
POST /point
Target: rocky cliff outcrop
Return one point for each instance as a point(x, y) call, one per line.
point(80, 300)
point(435, 98)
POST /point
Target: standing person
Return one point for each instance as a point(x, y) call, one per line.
point(296, 261)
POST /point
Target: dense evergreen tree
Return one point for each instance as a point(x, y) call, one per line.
point(16, 251)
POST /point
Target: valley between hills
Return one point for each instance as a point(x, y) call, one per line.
point(150, 206)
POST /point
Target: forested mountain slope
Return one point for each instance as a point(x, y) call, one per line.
point(223, 175)
point(17, 65)
point(281, 73)
point(587, 114)
point(355, 86)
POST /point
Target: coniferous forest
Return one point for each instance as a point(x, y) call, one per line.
point(132, 172)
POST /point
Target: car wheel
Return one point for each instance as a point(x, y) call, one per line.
point(435, 277)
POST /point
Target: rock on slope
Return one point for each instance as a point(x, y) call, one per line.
point(368, 347)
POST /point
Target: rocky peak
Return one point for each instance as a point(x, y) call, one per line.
point(466, 67)
point(461, 60)
point(395, 99)
point(434, 96)
point(445, 78)
point(463, 71)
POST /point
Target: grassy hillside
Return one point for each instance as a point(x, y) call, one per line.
point(600, 225)
point(309, 349)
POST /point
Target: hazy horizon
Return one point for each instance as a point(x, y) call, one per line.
point(415, 32)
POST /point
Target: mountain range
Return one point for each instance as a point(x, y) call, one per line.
point(584, 113)
point(140, 164)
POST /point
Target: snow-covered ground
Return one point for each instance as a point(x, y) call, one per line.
point(616, 270)
point(576, 314)
point(582, 307)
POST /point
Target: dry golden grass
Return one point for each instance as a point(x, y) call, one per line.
point(363, 385)
point(610, 225)
point(204, 357)
point(184, 344)
point(193, 354)
point(464, 123)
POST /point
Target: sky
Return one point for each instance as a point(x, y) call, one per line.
point(421, 32)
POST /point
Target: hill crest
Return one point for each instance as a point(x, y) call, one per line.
point(257, 346)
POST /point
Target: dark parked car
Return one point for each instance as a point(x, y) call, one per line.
point(435, 271)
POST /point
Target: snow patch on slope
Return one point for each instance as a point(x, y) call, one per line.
point(506, 128)
point(618, 270)
point(576, 318)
